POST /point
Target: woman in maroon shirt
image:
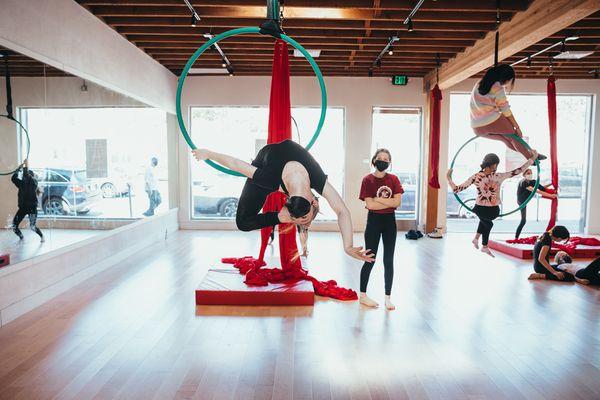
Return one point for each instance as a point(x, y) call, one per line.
point(382, 194)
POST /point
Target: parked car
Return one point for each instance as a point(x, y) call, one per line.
point(112, 186)
point(217, 198)
point(65, 191)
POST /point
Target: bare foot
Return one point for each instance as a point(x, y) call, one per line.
point(535, 275)
point(367, 301)
point(388, 304)
point(475, 243)
point(582, 281)
point(486, 250)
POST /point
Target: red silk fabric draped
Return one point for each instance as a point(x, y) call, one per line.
point(434, 136)
point(569, 247)
point(551, 93)
point(280, 129)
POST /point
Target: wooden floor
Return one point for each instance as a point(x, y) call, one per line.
point(467, 327)
point(30, 246)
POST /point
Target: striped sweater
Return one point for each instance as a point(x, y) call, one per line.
point(486, 109)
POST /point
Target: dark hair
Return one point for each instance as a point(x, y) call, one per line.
point(298, 206)
point(382, 150)
point(502, 73)
point(567, 259)
point(489, 160)
point(560, 232)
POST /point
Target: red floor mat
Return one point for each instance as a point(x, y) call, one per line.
point(4, 260)
point(525, 251)
point(225, 286)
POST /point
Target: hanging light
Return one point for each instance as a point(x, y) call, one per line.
point(529, 62)
point(378, 63)
point(223, 63)
point(410, 25)
point(391, 51)
point(194, 20)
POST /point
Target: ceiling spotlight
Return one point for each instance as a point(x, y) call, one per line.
point(410, 25)
point(528, 62)
point(194, 21)
point(378, 63)
point(223, 64)
point(391, 51)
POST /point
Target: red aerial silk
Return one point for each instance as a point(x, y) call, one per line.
point(280, 129)
point(551, 93)
point(434, 136)
point(569, 247)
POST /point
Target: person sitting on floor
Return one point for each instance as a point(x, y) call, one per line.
point(541, 256)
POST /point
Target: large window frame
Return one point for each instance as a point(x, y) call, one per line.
point(306, 136)
point(22, 112)
point(406, 110)
point(590, 118)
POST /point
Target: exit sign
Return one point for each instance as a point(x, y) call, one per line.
point(400, 80)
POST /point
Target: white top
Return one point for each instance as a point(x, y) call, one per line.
point(150, 178)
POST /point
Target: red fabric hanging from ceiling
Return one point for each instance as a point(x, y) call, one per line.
point(434, 136)
point(551, 93)
point(280, 128)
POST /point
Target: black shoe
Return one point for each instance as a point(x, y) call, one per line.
point(541, 157)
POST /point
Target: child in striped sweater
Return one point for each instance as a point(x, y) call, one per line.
point(490, 112)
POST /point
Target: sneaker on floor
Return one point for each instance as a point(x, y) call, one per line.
point(18, 233)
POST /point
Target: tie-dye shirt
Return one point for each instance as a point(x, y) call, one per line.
point(488, 186)
point(486, 109)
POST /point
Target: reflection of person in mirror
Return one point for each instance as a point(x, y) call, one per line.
point(151, 186)
point(27, 200)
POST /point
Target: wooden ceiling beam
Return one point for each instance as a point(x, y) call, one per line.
point(401, 5)
point(542, 19)
point(401, 49)
point(301, 33)
point(230, 23)
point(312, 14)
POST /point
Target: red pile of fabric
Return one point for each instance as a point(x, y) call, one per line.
point(280, 129)
point(569, 247)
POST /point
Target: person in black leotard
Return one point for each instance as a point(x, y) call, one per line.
point(523, 191)
point(589, 275)
point(541, 256)
point(288, 166)
point(27, 201)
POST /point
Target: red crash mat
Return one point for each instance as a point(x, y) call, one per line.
point(4, 260)
point(524, 251)
point(225, 286)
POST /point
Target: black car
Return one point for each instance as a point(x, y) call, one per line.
point(64, 191)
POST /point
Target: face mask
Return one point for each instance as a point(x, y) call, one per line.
point(381, 165)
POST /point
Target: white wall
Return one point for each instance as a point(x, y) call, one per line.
point(537, 86)
point(66, 36)
point(358, 96)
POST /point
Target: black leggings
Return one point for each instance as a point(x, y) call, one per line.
point(20, 215)
point(486, 217)
point(248, 217)
point(522, 223)
point(380, 225)
point(591, 272)
point(540, 269)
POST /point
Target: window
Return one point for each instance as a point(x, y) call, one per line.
point(242, 132)
point(399, 131)
point(531, 111)
point(92, 162)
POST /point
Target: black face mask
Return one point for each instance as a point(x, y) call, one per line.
point(381, 165)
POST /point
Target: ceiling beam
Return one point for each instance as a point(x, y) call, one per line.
point(542, 19)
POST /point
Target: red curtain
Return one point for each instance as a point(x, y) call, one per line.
point(280, 128)
point(551, 93)
point(434, 135)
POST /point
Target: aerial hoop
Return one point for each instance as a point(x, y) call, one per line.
point(4, 173)
point(241, 31)
point(533, 192)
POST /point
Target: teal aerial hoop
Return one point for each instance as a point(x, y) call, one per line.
point(533, 192)
point(241, 31)
point(4, 173)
